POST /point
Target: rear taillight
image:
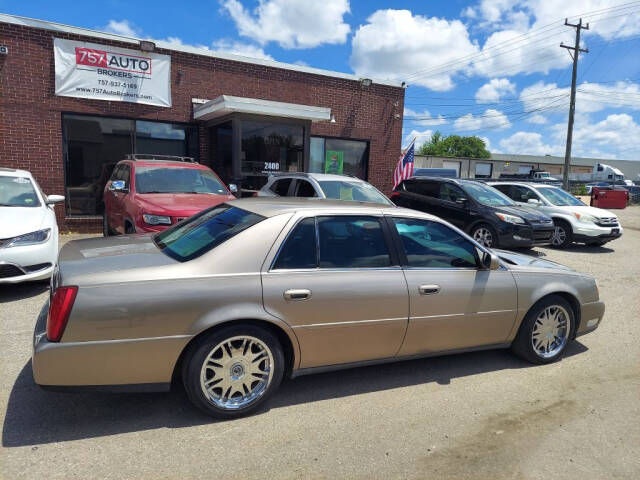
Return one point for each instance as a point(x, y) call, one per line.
point(394, 194)
point(59, 310)
point(255, 194)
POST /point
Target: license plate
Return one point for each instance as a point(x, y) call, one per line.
point(615, 231)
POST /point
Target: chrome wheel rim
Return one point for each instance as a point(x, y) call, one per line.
point(550, 331)
point(559, 236)
point(236, 372)
point(483, 237)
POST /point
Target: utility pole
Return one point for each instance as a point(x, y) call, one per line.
point(572, 103)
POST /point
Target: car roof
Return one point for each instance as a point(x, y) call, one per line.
point(14, 172)
point(165, 163)
point(272, 206)
point(321, 177)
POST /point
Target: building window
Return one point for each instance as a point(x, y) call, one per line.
point(93, 145)
point(335, 155)
point(483, 170)
point(269, 147)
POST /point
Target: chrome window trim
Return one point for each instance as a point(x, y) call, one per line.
point(321, 269)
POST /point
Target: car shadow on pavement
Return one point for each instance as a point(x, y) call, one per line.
point(21, 291)
point(578, 248)
point(35, 416)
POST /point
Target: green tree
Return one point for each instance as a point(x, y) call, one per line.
point(455, 146)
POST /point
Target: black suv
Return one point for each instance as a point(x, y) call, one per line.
point(489, 216)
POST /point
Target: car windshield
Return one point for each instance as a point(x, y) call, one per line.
point(204, 231)
point(487, 195)
point(559, 197)
point(178, 180)
point(352, 191)
point(17, 192)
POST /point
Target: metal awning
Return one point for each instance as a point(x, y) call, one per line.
point(225, 104)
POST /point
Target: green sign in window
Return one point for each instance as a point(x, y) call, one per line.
point(334, 162)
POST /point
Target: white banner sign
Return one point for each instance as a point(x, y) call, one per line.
point(100, 72)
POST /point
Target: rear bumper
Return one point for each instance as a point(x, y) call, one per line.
point(590, 317)
point(124, 365)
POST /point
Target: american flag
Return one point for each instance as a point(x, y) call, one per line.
point(404, 169)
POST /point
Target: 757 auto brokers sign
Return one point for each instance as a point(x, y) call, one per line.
point(101, 72)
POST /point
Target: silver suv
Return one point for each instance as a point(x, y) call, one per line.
point(573, 220)
point(322, 185)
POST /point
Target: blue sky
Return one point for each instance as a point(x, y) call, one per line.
point(491, 68)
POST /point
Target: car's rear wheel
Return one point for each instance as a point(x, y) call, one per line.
point(485, 235)
point(545, 330)
point(231, 372)
point(562, 234)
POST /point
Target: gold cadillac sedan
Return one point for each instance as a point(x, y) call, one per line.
point(244, 294)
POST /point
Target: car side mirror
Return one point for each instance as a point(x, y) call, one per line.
point(118, 186)
point(53, 199)
point(533, 201)
point(233, 188)
point(490, 261)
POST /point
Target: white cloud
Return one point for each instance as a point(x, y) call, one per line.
point(421, 137)
point(395, 43)
point(529, 143)
point(292, 23)
point(590, 97)
point(494, 90)
point(537, 119)
point(123, 27)
point(490, 119)
point(423, 118)
point(617, 136)
point(239, 48)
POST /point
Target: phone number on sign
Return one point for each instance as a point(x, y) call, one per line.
point(117, 84)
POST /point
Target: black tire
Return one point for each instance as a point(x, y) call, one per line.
point(476, 230)
point(129, 229)
point(563, 230)
point(106, 231)
point(200, 351)
point(523, 344)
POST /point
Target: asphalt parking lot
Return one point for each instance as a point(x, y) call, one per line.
point(485, 415)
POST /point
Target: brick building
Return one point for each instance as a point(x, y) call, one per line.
point(244, 117)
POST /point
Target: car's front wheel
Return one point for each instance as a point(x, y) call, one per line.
point(562, 234)
point(485, 235)
point(545, 330)
point(231, 372)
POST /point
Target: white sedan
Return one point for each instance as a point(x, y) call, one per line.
point(28, 230)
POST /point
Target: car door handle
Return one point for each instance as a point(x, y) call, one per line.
point(428, 289)
point(300, 294)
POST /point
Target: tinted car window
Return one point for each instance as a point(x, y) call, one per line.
point(299, 249)
point(116, 172)
point(487, 195)
point(352, 242)
point(506, 189)
point(305, 189)
point(422, 187)
point(281, 187)
point(522, 194)
point(125, 174)
point(434, 245)
point(450, 192)
point(204, 231)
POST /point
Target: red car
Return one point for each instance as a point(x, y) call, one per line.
point(148, 193)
